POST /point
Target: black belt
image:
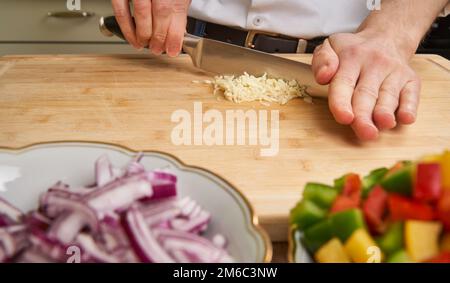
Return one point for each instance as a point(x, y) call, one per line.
point(262, 41)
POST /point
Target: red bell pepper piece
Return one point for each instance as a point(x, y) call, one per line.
point(402, 208)
point(351, 194)
point(443, 257)
point(353, 188)
point(443, 209)
point(428, 182)
point(374, 209)
point(342, 203)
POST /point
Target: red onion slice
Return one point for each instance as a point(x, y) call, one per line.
point(10, 211)
point(103, 171)
point(143, 241)
point(128, 215)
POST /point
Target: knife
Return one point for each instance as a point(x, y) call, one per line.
point(228, 59)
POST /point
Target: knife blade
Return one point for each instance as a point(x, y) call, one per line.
point(228, 59)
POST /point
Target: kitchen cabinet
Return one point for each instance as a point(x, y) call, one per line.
point(49, 27)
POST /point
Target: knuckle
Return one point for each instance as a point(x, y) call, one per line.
point(159, 37)
point(120, 12)
point(344, 79)
point(352, 51)
point(317, 49)
point(378, 58)
point(366, 91)
point(144, 34)
point(390, 92)
point(141, 7)
point(163, 8)
point(180, 6)
point(382, 111)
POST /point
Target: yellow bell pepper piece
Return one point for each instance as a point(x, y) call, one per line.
point(332, 252)
point(435, 158)
point(422, 239)
point(362, 248)
point(445, 167)
point(445, 243)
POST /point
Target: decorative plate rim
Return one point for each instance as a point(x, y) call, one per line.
point(254, 220)
point(292, 243)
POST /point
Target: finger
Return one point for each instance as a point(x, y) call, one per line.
point(388, 100)
point(341, 91)
point(143, 19)
point(162, 14)
point(409, 102)
point(325, 63)
point(123, 16)
point(364, 100)
point(177, 28)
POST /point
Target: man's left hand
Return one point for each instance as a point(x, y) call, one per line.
point(372, 87)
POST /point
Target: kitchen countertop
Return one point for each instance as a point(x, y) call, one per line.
point(129, 100)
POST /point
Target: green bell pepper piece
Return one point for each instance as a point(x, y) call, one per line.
point(317, 235)
point(320, 194)
point(344, 223)
point(306, 214)
point(400, 256)
point(369, 181)
point(339, 183)
point(392, 241)
point(399, 181)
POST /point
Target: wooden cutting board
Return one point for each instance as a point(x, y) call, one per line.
point(129, 100)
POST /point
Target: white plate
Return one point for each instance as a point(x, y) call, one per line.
point(28, 172)
point(297, 253)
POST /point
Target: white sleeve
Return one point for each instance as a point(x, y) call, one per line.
point(446, 10)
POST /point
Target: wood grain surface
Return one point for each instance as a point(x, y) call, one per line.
point(129, 99)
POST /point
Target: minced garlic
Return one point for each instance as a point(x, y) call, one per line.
point(246, 88)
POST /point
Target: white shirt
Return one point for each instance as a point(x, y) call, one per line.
point(297, 18)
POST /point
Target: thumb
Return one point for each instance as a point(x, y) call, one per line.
point(325, 63)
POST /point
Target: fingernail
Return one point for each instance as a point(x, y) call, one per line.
point(157, 51)
point(172, 52)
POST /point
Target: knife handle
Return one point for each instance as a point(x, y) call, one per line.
point(109, 27)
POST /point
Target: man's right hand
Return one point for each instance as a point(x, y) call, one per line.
point(159, 24)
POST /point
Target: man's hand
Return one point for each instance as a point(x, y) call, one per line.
point(372, 87)
point(160, 24)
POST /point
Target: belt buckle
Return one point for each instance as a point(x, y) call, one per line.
point(249, 41)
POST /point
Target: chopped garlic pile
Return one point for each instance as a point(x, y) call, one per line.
point(247, 88)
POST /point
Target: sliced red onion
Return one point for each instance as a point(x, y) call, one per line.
point(134, 168)
point(113, 234)
point(56, 205)
point(103, 171)
point(120, 196)
point(42, 243)
point(163, 189)
point(10, 211)
point(220, 241)
point(12, 240)
point(165, 176)
point(5, 221)
point(37, 221)
point(200, 249)
point(34, 255)
point(192, 225)
point(150, 207)
point(67, 226)
point(93, 250)
point(143, 241)
point(129, 215)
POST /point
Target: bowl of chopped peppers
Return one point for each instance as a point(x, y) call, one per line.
point(399, 214)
